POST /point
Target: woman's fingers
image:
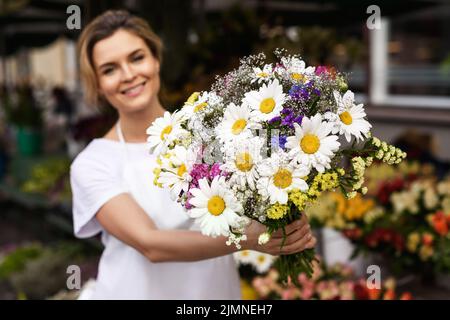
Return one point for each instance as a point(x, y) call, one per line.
point(297, 235)
point(297, 224)
point(306, 242)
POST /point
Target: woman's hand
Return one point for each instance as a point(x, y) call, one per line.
point(298, 238)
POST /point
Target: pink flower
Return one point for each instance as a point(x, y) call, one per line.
point(307, 293)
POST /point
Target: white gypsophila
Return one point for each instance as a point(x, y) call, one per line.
point(279, 176)
point(349, 118)
point(263, 238)
point(295, 70)
point(215, 207)
point(260, 76)
point(236, 124)
point(313, 146)
point(164, 131)
point(236, 240)
point(175, 170)
point(241, 160)
point(267, 102)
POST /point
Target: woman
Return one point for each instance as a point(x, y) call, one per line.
point(152, 249)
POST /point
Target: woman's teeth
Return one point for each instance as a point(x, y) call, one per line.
point(134, 90)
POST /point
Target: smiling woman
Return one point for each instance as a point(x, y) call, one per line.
point(153, 250)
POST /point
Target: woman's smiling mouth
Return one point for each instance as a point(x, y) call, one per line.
point(134, 90)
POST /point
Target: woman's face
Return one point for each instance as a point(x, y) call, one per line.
point(127, 71)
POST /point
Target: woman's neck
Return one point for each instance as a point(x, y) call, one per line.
point(134, 125)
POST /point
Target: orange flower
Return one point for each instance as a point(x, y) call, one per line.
point(406, 296)
point(374, 294)
point(439, 222)
point(427, 239)
point(389, 295)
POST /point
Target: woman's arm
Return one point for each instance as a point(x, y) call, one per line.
point(126, 220)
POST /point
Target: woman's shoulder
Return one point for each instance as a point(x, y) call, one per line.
point(99, 152)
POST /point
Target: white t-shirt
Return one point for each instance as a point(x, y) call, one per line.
point(100, 172)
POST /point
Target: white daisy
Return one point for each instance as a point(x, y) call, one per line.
point(296, 71)
point(262, 75)
point(262, 261)
point(163, 131)
point(195, 103)
point(267, 102)
point(349, 119)
point(312, 145)
point(241, 160)
point(279, 176)
point(236, 124)
point(258, 260)
point(216, 207)
point(243, 256)
point(175, 171)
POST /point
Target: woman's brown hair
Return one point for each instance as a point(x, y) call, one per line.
point(102, 27)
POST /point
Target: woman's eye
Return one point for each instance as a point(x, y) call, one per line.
point(108, 71)
point(138, 58)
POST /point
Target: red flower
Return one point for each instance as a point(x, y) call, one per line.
point(360, 292)
point(389, 295)
point(352, 234)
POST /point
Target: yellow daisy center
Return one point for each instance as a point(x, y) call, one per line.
point(310, 143)
point(200, 106)
point(267, 105)
point(167, 130)
point(346, 118)
point(181, 170)
point(216, 205)
point(263, 74)
point(244, 161)
point(193, 97)
point(282, 179)
point(297, 76)
point(261, 259)
point(238, 126)
point(245, 253)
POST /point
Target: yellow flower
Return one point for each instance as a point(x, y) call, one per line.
point(426, 252)
point(247, 291)
point(277, 211)
point(413, 241)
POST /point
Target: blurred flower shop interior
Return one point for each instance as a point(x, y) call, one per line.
point(399, 70)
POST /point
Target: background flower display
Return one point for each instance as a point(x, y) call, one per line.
point(336, 282)
point(405, 219)
point(264, 142)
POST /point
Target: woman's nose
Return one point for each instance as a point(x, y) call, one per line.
point(127, 73)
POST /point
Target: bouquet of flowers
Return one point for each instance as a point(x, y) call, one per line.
point(264, 142)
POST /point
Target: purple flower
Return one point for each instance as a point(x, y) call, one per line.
point(215, 171)
point(279, 141)
point(321, 70)
point(275, 120)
